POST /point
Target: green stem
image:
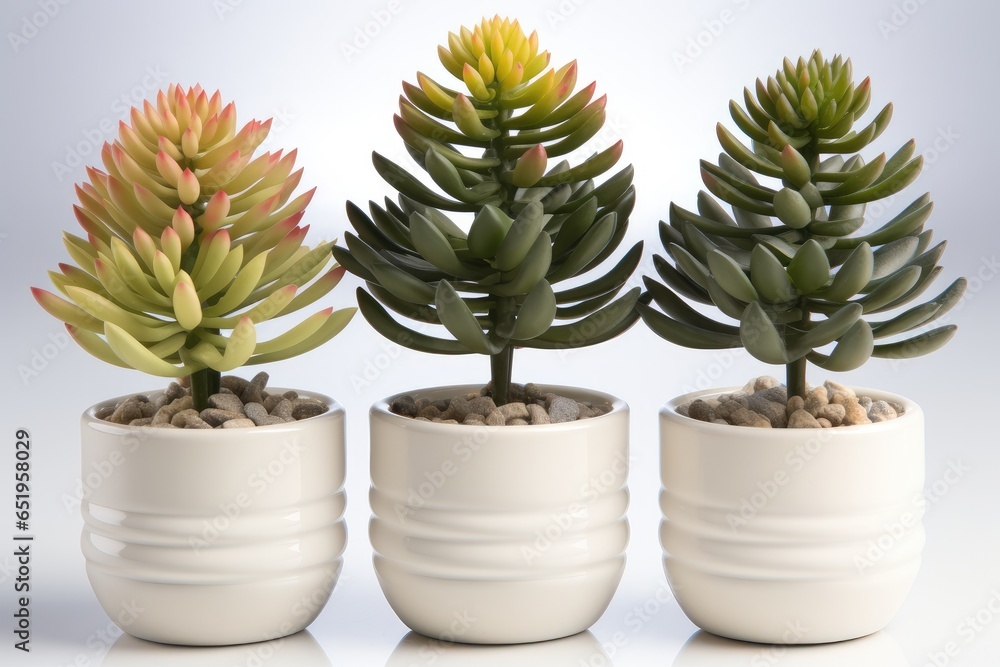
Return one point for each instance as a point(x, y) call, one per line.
point(500, 371)
point(204, 383)
point(795, 377)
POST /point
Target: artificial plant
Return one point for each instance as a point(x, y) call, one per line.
point(486, 149)
point(192, 241)
point(819, 257)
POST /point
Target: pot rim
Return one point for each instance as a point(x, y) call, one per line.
point(89, 417)
point(912, 412)
point(380, 409)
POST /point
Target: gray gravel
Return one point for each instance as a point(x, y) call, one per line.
point(230, 408)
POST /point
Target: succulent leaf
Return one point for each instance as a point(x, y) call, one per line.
point(486, 146)
point(191, 240)
point(791, 260)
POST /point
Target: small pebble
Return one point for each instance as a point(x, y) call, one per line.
point(725, 410)
point(105, 412)
point(795, 403)
point(746, 417)
point(561, 410)
point(802, 419)
point(881, 411)
point(512, 411)
point(402, 405)
point(270, 401)
point(429, 412)
point(721, 421)
point(242, 422)
point(283, 409)
point(825, 423)
point(474, 419)
point(684, 409)
point(126, 411)
point(217, 417)
point(271, 420)
point(764, 382)
point(291, 394)
point(145, 421)
point(517, 422)
point(227, 402)
point(537, 414)
point(303, 408)
point(701, 411)
point(496, 418)
point(866, 402)
point(148, 409)
point(253, 391)
point(255, 412)
point(854, 414)
point(833, 413)
point(531, 392)
point(167, 412)
point(771, 411)
point(817, 398)
point(234, 384)
point(422, 403)
point(837, 388)
point(481, 405)
point(458, 408)
point(777, 394)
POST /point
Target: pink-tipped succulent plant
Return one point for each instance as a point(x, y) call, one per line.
point(192, 240)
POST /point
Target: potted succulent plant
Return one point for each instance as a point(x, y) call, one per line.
point(215, 506)
point(767, 532)
point(505, 504)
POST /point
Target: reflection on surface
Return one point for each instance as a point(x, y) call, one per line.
point(581, 649)
point(299, 650)
point(877, 650)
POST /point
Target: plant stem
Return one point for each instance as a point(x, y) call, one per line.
point(204, 383)
point(500, 370)
point(795, 377)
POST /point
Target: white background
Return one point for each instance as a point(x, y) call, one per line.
point(64, 85)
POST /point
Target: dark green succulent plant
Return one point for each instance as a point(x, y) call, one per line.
point(490, 285)
point(776, 277)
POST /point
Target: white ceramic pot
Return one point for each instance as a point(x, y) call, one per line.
point(499, 534)
point(214, 537)
point(791, 536)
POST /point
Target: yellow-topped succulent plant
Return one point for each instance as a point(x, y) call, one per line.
point(192, 240)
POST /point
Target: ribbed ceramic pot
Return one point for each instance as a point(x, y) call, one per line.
point(214, 537)
point(791, 536)
point(499, 534)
